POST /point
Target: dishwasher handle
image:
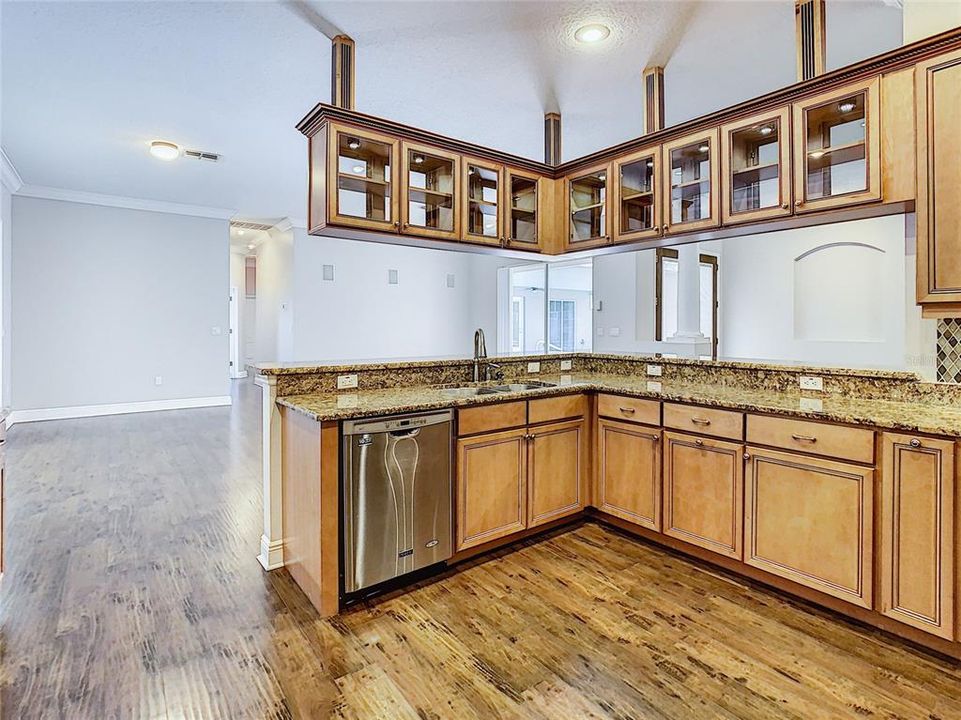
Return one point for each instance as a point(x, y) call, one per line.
point(409, 433)
point(397, 423)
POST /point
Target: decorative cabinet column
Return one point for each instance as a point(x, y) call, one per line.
point(272, 541)
point(688, 296)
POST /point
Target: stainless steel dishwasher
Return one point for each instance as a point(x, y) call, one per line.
point(397, 496)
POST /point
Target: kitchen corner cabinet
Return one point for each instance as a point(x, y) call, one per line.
point(587, 208)
point(637, 213)
point(429, 182)
point(917, 532)
point(810, 520)
point(491, 486)
point(482, 202)
point(703, 492)
point(629, 472)
point(837, 148)
point(938, 87)
point(362, 179)
point(556, 471)
point(691, 195)
point(756, 167)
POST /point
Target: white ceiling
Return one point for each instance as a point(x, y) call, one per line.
point(87, 85)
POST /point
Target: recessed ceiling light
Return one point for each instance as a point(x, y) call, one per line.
point(595, 32)
point(418, 159)
point(353, 143)
point(164, 150)
point(846, 107)
point(766, 130)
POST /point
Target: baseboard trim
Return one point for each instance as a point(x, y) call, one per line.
point(271, 553)
point(82, 411)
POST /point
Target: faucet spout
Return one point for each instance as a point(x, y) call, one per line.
point(480, 351)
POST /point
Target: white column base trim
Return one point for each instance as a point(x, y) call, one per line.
point(271, 553)
point(82, 411)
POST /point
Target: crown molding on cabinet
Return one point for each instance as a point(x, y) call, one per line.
point(129, 203)
point(8, 173)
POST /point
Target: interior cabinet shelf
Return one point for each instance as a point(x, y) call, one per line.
point(635, 195)
point(436, 193)
point(362, 179)
point(689, 183)
point(756, 169)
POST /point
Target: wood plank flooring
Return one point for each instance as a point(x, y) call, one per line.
point(132, 591)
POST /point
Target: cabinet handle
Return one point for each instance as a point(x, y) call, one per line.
point(627, 411)
point(915, 443)
point(699, 443)
point(700, 421)
point(805, 438)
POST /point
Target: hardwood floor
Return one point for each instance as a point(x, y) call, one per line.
point(132, 591)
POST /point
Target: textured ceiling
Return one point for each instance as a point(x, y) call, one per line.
point(86, 85)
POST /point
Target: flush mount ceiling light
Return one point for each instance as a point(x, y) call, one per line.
point(846, 106)
point(595, 32)
point(766, 130)
point(164, 150)
point(418, 159)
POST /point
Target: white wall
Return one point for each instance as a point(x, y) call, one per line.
point(104, 299)
point(274, 305)
point(5, 294)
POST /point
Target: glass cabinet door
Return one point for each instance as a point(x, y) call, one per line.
point(636, 210)
point(361, 192)
point(756, 178)
point(587, 205)
point(522, 208)
point(691, 173)
point(482, 212)
point(430, 178)
point(837, 138)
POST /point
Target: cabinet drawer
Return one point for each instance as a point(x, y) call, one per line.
point(707, 421)
point(471, 421)
point(629, 409)
point(556, 408)
point(847, 443)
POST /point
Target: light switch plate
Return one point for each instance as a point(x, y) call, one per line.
point(533, 367)
point(346, 382)
point(392, 278)
point(567, 364)
point(653, 386)
point(654, 370)
point(328, 273)
point(811, 382)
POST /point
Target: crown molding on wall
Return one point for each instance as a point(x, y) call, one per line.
point(8, 173)
point(89, 198)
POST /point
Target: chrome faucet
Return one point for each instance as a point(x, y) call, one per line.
point(480, 358)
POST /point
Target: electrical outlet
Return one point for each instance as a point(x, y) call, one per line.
point(811, 382)
point(654, 370)
point(653, 386)
point(346, 382)
point(566, 380)
point(567, 364)
point(533, 367)
point(158, 380)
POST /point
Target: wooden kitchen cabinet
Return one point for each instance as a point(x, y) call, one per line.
point(482, 202)
point(938, 87)
point(524, 207)
point(556, 471)
point(362, 179)
point(756, 167)
point(637, 212)
point(588, 212)
point(429, 188)
point(491, 487)
point(692, 179)
point(810, 520)
point(837, 148)
point(703, 492)
point(917, 532)
point(629, 472)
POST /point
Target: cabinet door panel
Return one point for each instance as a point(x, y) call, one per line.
point(703, 492)
point(636, 208)
point(692, 177)
point(362, 179)
point(629, 472)
point(430, 186)
point(482, 196)
point(588, 211)
point(491, 487)
point(810, 521)
point(756, 167)
point(557, 471)
point(525, 204)
point(917, 532)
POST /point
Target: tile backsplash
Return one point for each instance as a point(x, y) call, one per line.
point(949, 350)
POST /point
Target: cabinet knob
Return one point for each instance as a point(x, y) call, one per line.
point(664, 228)
point(405, 226)
point(699, 443)
point(915, 443)
point(747, 456)
point(396, 224)
point(785, 206)
point(798, 203)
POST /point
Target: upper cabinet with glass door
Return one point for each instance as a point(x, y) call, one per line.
point(482, 206)
point(691, 180)
point(361, 179)
point(429, 187)
point(637, 213)
point(587, 209)
point(838, 148)
point(522, 210)
point(756, 167)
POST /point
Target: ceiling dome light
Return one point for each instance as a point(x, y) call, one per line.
point(766, 130)
point(592, 33)
point(353, 143)
point(164, 150)
point(418, 159)
point(846, 106)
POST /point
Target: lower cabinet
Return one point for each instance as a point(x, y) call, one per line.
point(703, 492)
point(810, 520)
point(491, 486)
point(917, 532)
point(629, 472)
point(556, 471)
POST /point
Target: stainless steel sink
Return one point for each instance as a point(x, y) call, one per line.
point(474, 390)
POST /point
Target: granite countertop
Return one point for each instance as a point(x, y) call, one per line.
point(910, 417)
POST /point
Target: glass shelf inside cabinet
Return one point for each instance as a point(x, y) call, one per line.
point(637, 195)
point(588, 206)
point(430, 190)
point(691, 182)
point(523, 219)
point(482, 201)
point(836, 148)
point(363, 178)
point(755, 167)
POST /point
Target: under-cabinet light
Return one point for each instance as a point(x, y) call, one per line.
point(595, 32)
